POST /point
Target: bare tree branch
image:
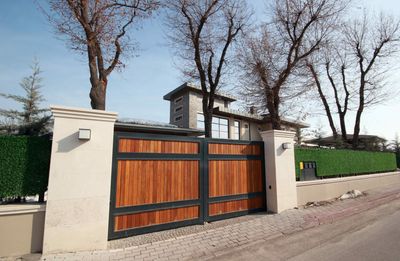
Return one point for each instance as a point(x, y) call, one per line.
point(202, 34)
point(356, 60)
point(270, 59)
point(371, 44)
point(99, 29)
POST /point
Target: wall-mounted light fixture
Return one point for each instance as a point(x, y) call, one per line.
point(287, 145)
point(84, 134)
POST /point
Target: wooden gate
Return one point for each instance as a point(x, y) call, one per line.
point(235, 180)
point(161, 182)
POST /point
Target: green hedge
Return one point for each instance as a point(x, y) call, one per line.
point(24, 165)
point(398, 159)
point(333, 162)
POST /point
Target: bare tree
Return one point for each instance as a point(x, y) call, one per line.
point(270, 58)
point(355, 68)
point(8, 126)
point(99, 29)
point(314, 133)
point(315, 75)
point(202, 34)
point(372, 45)
point(334, 66)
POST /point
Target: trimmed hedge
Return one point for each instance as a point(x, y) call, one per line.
point(338, 162)
point(24, 165)
point(398, 159)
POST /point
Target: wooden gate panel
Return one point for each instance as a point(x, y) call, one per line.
point(233, 177)
point(236, 206)
point(151, 218)
point(157, 146)
point(236, 180)
point(156, 183)
point(142, 182)
point(233, 149)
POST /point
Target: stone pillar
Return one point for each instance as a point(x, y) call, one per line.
point(280, 170)
point(78, 196)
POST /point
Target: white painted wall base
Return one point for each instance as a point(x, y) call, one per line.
point(318, 190)
point(21, 229)
point(279, 170)
point(79, 181)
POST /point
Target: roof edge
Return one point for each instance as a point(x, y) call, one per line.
point(161, 129)
point(194, 87)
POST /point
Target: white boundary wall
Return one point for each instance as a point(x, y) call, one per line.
point(318, 190)
point(21, 228)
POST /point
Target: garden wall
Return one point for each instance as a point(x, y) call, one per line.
point(21, 227)
point(318, 190)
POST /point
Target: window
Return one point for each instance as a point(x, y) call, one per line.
point(178, 118)
point(219, 126)
point(178, 100)
point(200, 121)
point(236, 130)
point(179, 108)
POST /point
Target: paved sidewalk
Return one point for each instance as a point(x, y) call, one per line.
point(210, 240)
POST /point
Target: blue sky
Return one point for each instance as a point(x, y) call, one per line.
point(137, 91)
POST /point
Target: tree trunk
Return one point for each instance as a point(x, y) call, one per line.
point(343, 127)
point(207, 124)
point(275, 121)
point(356, 133)
point(273, 108)
point(98, 77)
point(360, 110)
point(346, 104)
point(328, 114)
point(98, 96)
point(274, 116)
point(207, 115)
point(324, 101)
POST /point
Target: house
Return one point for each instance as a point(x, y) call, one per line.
point(186, 112)
point(368, 142)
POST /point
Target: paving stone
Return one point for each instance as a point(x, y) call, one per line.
point(201, 242)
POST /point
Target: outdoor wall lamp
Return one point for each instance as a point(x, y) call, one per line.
point(287, 145)
point(84, 134)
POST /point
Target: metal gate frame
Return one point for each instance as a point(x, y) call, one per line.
point(203, 201)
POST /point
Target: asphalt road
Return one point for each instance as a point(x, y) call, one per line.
point(377, 241)
point(373, 235)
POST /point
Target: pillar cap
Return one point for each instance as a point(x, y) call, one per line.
point(84, 114)
point(278, 133)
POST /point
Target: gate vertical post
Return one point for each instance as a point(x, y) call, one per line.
point(78, 199)
point(279, 170)
point(205, 185)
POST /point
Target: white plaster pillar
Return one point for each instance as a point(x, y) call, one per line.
point(279, 170)
point(78, 196)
